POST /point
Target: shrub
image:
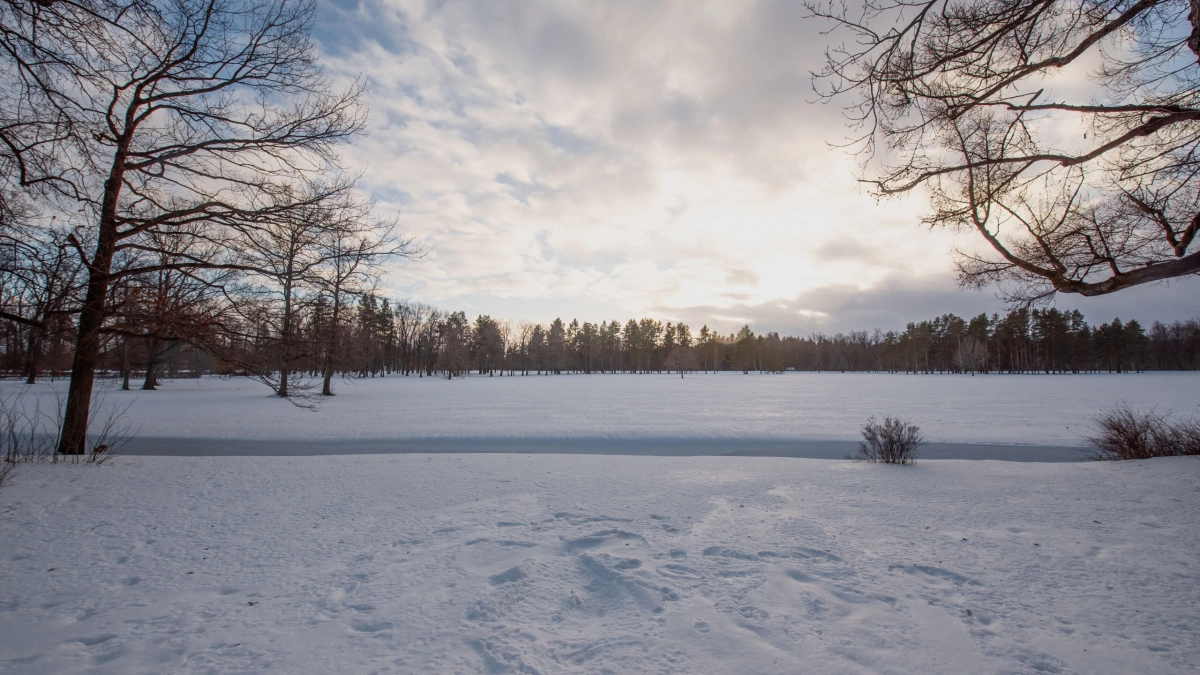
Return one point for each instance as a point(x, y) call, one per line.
point(23, 430)
point(29, 430)
point(1124, 433)
point(893, 441)
point(7, 471)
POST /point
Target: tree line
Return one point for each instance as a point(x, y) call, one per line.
point(371, 336)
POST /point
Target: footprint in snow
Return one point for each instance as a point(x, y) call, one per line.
point(509, 575)
point(370, 626)
point(679, 572)
point(754, 613)
point(722, 552)
point(937, 573)
point(92, 641)
point(602, 537)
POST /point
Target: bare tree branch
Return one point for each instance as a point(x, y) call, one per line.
point(954, 97)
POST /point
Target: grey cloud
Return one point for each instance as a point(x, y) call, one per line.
point(631, 59)
point(844, 307)
point(1168, 301)
point(741, 275)
point(532, 37)
point(892, 304)
point(848, 249)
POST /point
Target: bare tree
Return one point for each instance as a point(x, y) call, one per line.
point(138, 116)
point(507, 333)
point(39, 285)
point(351, 248)
point(349, 262)
point(429, 343)
point(170, 308)
point(411, 318)
point(454, 339)
point(971, 355)
point(283, 255)
point(1086, 190)
point(524, 341)
point(681, 359)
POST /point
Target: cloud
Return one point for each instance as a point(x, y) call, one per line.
point(841, 307)
point(623, 158)
point(896, 301)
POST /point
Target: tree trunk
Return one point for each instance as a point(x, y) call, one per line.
point(34, 354)
point(125, 365)
point(152, 354)
point(83, 366)
point(286, 335)
point(73, 440)
point(327, 374)
point(331, 352)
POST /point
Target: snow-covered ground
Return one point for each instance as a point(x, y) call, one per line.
point(598, 564)
point(1031, 409)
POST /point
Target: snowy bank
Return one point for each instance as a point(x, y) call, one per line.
point(591, 564)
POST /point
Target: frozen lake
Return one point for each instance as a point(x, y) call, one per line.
point(727, 413)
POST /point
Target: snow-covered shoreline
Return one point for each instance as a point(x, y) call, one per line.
point(584, 563)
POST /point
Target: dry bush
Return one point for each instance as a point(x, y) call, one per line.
point(7, 471)
point(24, 430)
point(29, 430)
point(893, 441)
point(112, 434)
point(1124, 433)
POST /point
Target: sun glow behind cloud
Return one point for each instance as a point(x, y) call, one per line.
point(617, 159)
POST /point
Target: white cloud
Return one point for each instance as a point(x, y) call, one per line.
point(618, 157)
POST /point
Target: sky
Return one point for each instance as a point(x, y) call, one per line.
point(609, 160)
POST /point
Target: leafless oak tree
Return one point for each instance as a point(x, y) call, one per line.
point(1064, 132)
point(192, 117)
point(351, 247)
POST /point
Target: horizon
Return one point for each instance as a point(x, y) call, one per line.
point(762, 330)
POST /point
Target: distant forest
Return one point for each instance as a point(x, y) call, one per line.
point(382, 337)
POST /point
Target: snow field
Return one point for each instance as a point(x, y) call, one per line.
point(599, 564)
point(1032, 409)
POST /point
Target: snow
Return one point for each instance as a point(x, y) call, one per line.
point(444, 562)
point(596, 564)
point(1047, 410)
